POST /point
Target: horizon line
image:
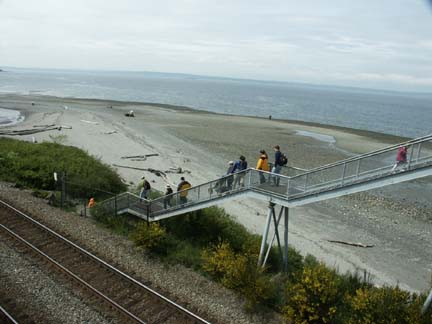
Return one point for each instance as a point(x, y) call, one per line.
point(306, 84)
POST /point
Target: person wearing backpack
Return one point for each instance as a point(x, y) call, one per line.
point(183, 188)
point(280, 160)
point(144, 187)
point(168, 197)
point(239, 166)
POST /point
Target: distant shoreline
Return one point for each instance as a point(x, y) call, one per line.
point(390, 138)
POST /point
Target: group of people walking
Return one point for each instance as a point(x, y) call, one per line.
point(145, 187)
point(235, 177)
point(280, 160)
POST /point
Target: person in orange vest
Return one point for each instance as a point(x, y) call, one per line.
point(262, 165)
point(91, 202)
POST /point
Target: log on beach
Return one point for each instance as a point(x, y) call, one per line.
point(352, 244)
point(33, 131)
point(143, 156)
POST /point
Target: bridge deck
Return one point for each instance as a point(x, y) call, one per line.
point(364, 172)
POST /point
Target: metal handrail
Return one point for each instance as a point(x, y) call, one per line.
point(366, 155)
point(301, 184)
point(218, 180)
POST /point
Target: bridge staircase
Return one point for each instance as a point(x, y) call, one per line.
point(360, 173)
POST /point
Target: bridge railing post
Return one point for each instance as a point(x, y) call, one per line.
point(306, 180)
point(410, 156)
point(343, 173)
point(418, 152)
point(288, 187)
point(358, 168)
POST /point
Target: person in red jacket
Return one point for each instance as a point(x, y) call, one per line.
point(401, 157)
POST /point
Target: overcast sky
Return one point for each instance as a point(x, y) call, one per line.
point(368, 43)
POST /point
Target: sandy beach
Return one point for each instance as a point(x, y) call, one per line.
point(396, 220)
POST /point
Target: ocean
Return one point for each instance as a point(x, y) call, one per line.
point(397, 113)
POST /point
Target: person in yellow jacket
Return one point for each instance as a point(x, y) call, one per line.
point(262, 164)
point(183, 189)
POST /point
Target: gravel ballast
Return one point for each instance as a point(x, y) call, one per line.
point(190, 289)
point(44, 299)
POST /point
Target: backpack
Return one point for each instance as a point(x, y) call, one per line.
point(283, 159)
point(146, 185)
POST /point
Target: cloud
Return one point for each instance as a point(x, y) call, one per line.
point(282, 40)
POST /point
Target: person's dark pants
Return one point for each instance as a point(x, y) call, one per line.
point(262, 177)
point(277, 170)
point(167, 202)
point(183, 200)
point(230, 181)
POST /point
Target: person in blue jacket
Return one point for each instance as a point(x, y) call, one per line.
point(277, 166)
point(239, 166)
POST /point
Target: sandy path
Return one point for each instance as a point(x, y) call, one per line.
point(203, 143)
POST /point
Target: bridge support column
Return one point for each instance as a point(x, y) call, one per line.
point(427, 303)
point(270, 213)
point(263, 256)
point(285, 256)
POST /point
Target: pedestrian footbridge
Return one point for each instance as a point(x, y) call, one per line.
point(355, 174)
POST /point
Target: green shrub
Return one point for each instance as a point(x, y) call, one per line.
point(207, 226)
point(120, 224)
point(186, 254)
point(43, 194)
point(239, 271)
point(32, 165)
point(148, 235)
point(385, 306)
point(314, 297)
point(212, 242)
point(275, 262)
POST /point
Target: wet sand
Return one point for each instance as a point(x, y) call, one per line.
point(397, 220)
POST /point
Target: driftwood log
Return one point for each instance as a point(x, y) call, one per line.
point(33, 131)
point(352, 244)
point(143, 156)
point(159, 173)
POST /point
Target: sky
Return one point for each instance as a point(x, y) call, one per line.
point(384, 44)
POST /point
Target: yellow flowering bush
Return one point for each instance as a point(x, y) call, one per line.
point(239, 271)
point(225, 265)
point(148, 236)
point(385, 306)
point(313, 297)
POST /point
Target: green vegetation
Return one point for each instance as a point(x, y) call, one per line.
point(211, 242)
point(32, 165)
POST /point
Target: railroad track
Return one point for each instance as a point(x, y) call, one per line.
point(135, 301)
point(6, 318)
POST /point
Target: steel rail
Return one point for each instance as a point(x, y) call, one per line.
point(110, 267)
point(71, 274)
point(8, 316)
